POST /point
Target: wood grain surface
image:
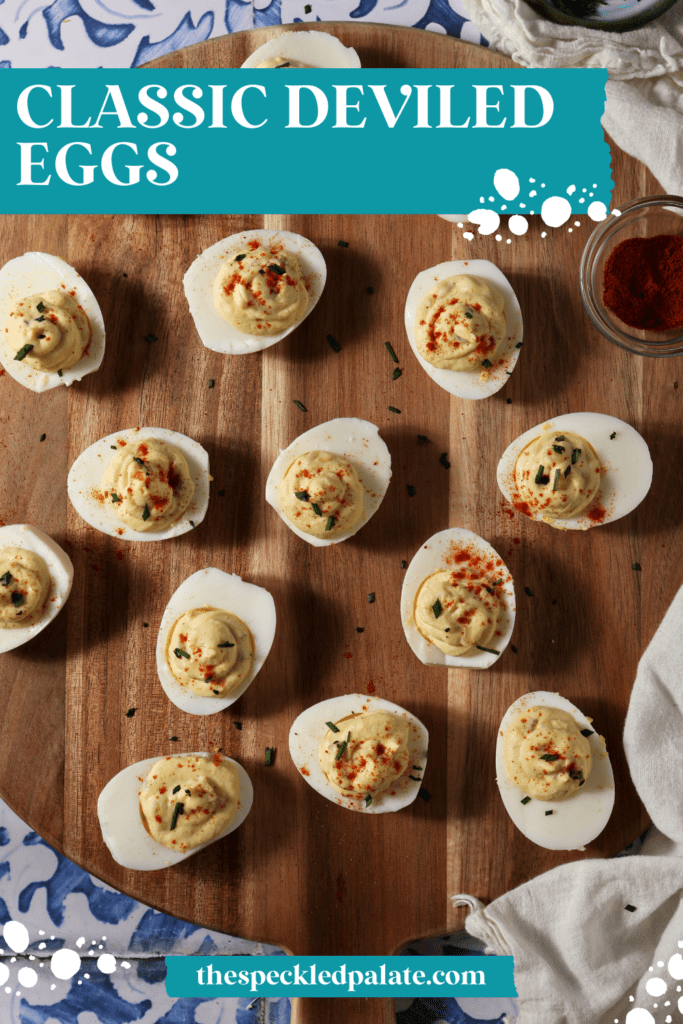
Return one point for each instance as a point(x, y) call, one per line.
point(301, 872)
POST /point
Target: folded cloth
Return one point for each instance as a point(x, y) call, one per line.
point(644, 94)
point(596, 940)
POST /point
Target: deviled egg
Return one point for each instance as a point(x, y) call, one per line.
point(330, 480)
point(553, 772)
point(576, 471)
point(52, 326)
point(303, 50)
point(157, 812)
point(143, 483)
point(250, 290)
point(457, 601)
point(363, 753)
point(464, 325)
point(35, 581)
point(215, 635)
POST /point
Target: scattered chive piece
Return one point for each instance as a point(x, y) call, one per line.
point(425, 795)
point(509, 401)
point(130, 712)
point(178, 809)
point(6, 579)
point(180, 653)
point(139, 461)
point(276, 270)
point(301, 495)
point(343, 245)
point(23, 352)
point(488, 650)
point(40, 307)
point(436, 608)
point(316, 509)
point(145, 513)
point(238, 259)
point(330, 523)
point(174, 739)
point(331, 726)
point(40, 319)
point(487, 363)
point(300, 405)
point(342, 747)
point(359, 629)
point(550, 757)
point(586, 732)
point(415, 778)
point(443, 459)
point(519, 344)
point(221, 494)
point(567, 471)
point(43, 436)
point(369, 289)
point(509, 373)
point(60, 372)
point(630, 908)
point(368, 800)
point(526, 800)
point(388, 347)
point(403, 563)
point(212, 383)
point(422, 439)
point(238, 725)
point(333, 343)
point(151, 337)
point(176, 790)
point(468, 314)
point(575, 455)
point(191, 524)
point(392, 408)
point(286, 65)
point(558, 448)
point(557, 479)
point(114, 447)
point(270, 754)
point(636, 567)
point(411, 490)
point(146, 625)
point(371, 598)
point(612, 436)
point(561, 438)
point(115, 497)
point(226, 644)
point(547, 813)
point(539, 475)
point(514, 649)
point(17, 599)
point(396, 374)
point(573, 774)
point(528, 592)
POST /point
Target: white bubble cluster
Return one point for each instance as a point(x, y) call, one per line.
point(506, 184)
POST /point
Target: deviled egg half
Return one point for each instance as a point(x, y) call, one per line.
point(464, 325)
point(576, 471)
point(52, 331)
point(35, 581)
point(457, 601)
point(251, 290)
point(363, 753)
point(160, 811)
point(329, 481)
point(303, 50)
point(215, 635)
point(143, 483)
point(553, 772)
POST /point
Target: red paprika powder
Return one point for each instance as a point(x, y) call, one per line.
point(643, 282)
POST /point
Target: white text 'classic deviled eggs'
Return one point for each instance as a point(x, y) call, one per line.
point(143, 483)
point(576, 471)
point(457, 601)
point(35, 581)
point(329, 481)
point(250, 290)
point(464, 325)
point(186, 801)
point(553, 772)
point(363, 753)
point(51, 326)
point(215, 635)
point(303, 50)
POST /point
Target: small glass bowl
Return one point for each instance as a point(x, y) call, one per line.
point(642, 218)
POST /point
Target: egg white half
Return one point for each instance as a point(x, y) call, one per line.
point(118, 809)
point(215, 332)
point(431, 557)
point(580, 818)
point(85, 477)
point(359, 442)
point(60, 568)
point(469, 383)
point(216, 589)
point(30, 274)
point(626, 459)
point(307, 733)
point(319, 49)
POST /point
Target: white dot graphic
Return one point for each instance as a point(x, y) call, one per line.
point(555, 211)
point(488, 221)
point(15, 935)
point(571, 190)
point(518, 225)
point(680, 1005)
point(107, 963)
point(506, 184)
point(4, 973)
point(655, 987)
point(638, 1016)
point(468, 235)
point(27, 977)
point(597, 211)
point(65, 963)
point(79, 942)
point(675, 966)
point(499, 238)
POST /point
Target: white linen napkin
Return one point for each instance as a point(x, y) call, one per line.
point(581, 956)
point(644, 94)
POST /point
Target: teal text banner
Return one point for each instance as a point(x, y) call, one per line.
point(299, 141)
point(339, 976)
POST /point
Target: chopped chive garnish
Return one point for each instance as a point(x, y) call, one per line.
point(508, 401)
point(403, 563)
point(556, 481)
point(561, 438)
point(539, 475)
point(342, 747)
point(424, 794)
point(316, 509)
point(176, 790)
point(489, 650)
point(130, 712)
point(509, 373)
point(526, 800)
point(221, 494)
point(275, 269)
point(6, 579)
point(180, 653)
point(587, 732)
point(331, 726)
point(300, 405)
point(114, 447)
point(547, 813)
point(212, 383)
point(443, 459)
point(17, 599)
point(60, 372)
point(636, 567)
point(612, 436)
point(192, 524)
point(415, 778)
point(40, 307)
point(468, 314)
point(270, 754)
point(333, 343)
point(575, 455)
point(528, 592)
point(359, 629)
point(286, 65)
point(330, 523)
point(487, 363)
point(558, 448)
point(371, 598)
point(145, 513)
point(40, 319)
point(174, 739)
point(630, 908)
point(43, 436)
point(226, 644)
point(392, 408)
point(436, 608)
point(178, 809)
point(397, 373)
point(514, 649)
point(139, 461)
point(301, 495)
point(576, 775)
point(567, 471)
point(422, 439)
point(369, 289)
point(411, 490)
point(24, 351)
point(519, 344)
point(368, 800)
point(151, 337)
point(238, 259)
point(146, 625)
point(550, 757)
point(390, 350)
point(238, 725)
point(343, 245)
point(115, 497)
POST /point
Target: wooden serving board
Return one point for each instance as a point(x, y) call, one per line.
point(301, 872)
